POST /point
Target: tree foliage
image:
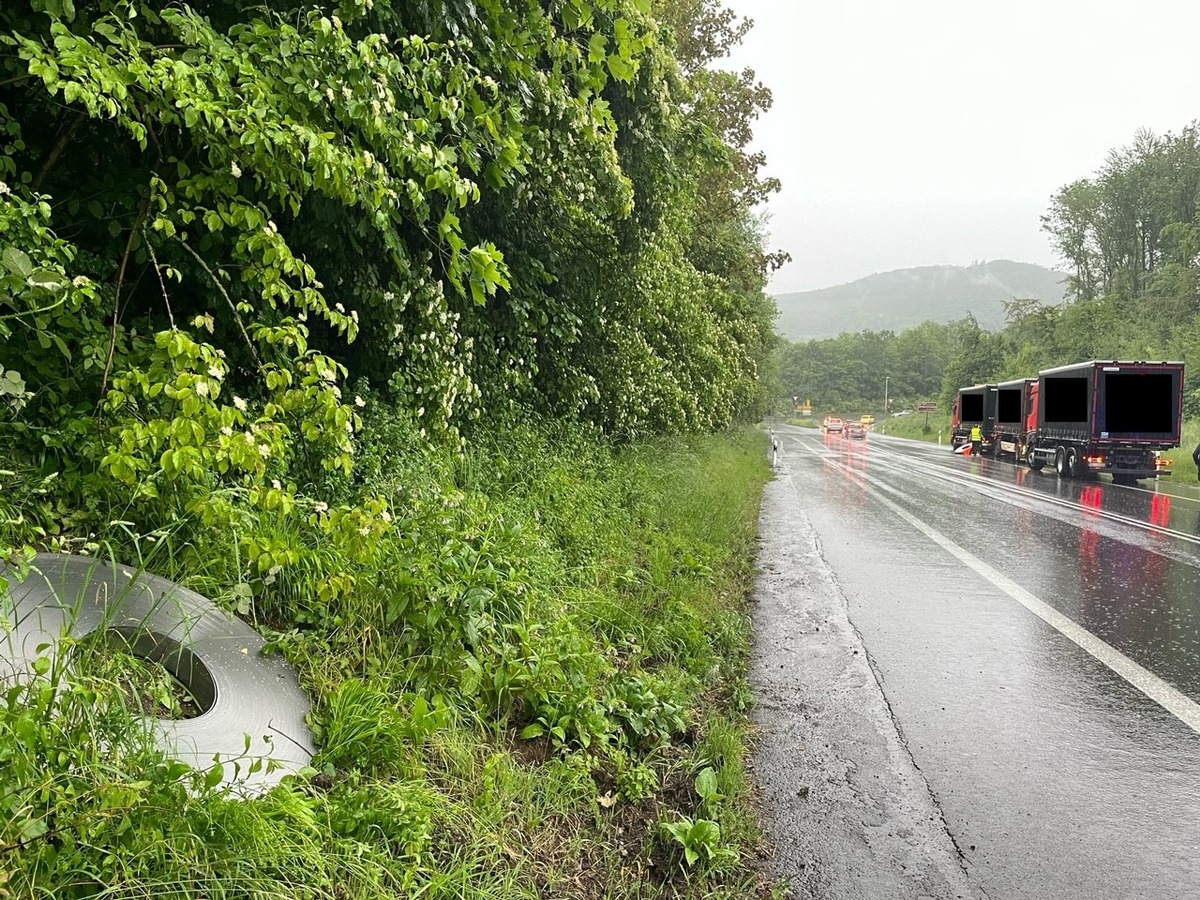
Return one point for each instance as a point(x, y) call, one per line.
point(848, 372)
point(1130, 238)
point(216, 217)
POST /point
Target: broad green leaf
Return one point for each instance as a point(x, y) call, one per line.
point(47, 279)
point(706, 784)
point(11, 383)
point(596, 47)
point(214, 775)
point(620, 68)
point(16, 262)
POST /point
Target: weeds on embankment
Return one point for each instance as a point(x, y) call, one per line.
point(530, 684)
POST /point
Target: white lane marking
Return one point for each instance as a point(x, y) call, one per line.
point(1005, 493)
point(1169, 698)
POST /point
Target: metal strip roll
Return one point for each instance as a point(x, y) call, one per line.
point(218, 657)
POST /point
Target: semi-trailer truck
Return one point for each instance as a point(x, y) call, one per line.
point(1012, 413)
point(1100, 416)
point(975, 405)
point(1104, 416)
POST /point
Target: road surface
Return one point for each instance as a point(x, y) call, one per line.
point(975, 680)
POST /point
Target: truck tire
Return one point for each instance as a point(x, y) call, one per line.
point(1075, 465)
point(1036, 463)
point(1060, 462)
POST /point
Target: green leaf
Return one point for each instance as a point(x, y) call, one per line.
point(705, 833)
point(534, 730)
point(596, 47)
point(706, 785)
point(32, 829)
point(620, 69)
point(11, 383)
point(45, 278)
point(16, 262)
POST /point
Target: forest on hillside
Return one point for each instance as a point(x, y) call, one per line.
point(904, 298)
point(1129, 237)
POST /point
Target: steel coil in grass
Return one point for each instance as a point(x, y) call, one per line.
point(217, 657)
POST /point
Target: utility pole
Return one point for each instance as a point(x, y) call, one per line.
point(885, 392)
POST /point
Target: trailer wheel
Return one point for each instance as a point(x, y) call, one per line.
point(1060, 462)
point(1074, 464)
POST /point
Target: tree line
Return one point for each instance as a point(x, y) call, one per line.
point(1129, 240)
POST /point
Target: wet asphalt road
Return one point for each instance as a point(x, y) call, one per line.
point(975, 680)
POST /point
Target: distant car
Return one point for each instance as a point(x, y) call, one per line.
point(856, 430)
point(833, 424)
point(868, 419)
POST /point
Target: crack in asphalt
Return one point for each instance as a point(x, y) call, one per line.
point(903, 739)
point(880, 679)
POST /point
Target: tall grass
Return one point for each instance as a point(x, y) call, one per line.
point(517, 683)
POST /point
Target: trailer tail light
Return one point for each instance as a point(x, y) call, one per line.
point(1094, 460)
point(1162, 462)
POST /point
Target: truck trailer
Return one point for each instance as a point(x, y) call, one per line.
point(1013, 404)
point(975, 405)
point(1103, 417)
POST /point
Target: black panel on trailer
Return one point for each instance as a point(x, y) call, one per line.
point(971, 408)
point(1064, 399)
point(1139, 404)
point(1008, 405)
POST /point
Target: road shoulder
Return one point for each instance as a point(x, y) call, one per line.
point(846, 809)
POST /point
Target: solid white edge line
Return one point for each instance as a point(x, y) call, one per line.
point(1169, 698)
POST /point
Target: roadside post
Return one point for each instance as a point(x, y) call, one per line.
point(927, 408)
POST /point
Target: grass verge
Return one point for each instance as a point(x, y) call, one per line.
point(529, 682)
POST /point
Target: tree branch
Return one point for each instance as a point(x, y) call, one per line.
point(116, 316)
point(56, 151)
point(236, 315)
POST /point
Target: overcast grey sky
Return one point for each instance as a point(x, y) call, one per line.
point(935, 131)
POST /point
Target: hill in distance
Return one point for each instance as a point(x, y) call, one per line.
point(894, 301)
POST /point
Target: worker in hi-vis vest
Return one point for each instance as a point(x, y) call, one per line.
point(976, 439)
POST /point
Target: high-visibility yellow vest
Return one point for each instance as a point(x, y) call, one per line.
point(976, 433)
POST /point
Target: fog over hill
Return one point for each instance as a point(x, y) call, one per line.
point(894, 301)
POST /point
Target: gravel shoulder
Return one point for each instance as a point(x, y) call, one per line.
point(847, 811)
